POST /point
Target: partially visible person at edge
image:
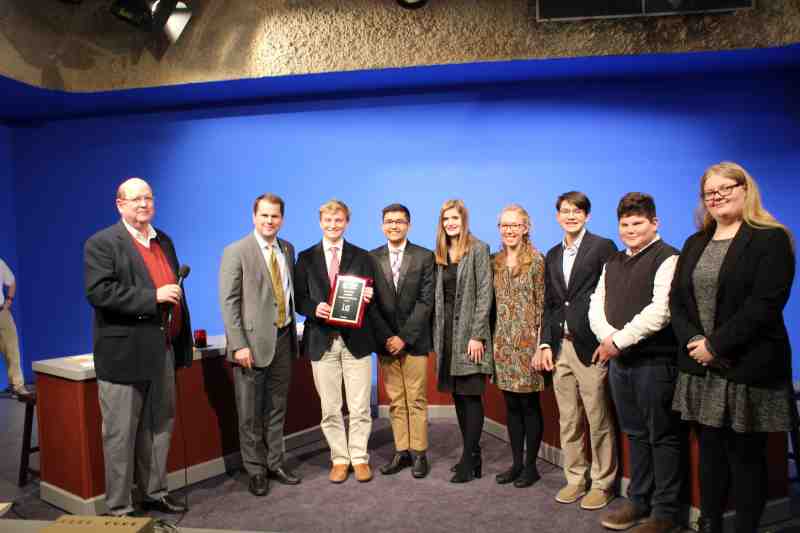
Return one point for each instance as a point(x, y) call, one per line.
point(732, 282)
point(461, 332)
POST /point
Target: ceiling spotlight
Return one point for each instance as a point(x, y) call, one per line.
point(170, 16)
point(412, 4)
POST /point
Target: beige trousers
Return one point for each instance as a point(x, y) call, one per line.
point(405, 379)
point(580, 389)
point(338, 366)
point(9, 346)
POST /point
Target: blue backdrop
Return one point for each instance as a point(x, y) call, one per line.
point(490, 146)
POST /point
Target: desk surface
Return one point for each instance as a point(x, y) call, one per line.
point(32, 526)
point(81, 367)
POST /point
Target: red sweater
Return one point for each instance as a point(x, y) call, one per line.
point(161, 273)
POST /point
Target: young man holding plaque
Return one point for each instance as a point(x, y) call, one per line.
point(405, 303)
point(339, 338)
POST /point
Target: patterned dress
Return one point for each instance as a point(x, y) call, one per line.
point(519, 298)
point(712, 400)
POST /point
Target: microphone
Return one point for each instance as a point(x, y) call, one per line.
point(183, 273)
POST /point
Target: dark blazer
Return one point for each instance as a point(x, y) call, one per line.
point(129, 342)
point(407, 310)
point(572, 303)
point(311, 286)
point(249, 307)
point(753, 288)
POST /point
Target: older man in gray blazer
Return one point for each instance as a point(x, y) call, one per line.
point(256, 295)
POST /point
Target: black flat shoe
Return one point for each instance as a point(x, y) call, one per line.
point(400, 461)
point(165, 504)
point(528, 477)
point(259, 485)
point(283, 476)
point(509, 476)
point(420, 468)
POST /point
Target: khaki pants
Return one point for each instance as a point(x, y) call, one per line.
point(580, 388)
point(338, 366)
point(9, 346)
point(405, 379)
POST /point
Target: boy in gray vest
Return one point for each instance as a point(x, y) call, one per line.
point(629, 314)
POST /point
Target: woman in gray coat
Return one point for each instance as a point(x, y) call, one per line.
point(461, 335)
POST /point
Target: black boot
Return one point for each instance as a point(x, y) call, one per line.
point(509, 476)
point(529, 476)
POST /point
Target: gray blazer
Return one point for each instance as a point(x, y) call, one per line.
point(474, 296)
point(247, 301)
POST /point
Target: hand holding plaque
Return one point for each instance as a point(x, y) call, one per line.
point(347, 301)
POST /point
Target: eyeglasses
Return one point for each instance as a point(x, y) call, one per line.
point(724, 191)
point(139, 199)
point(571, 212)
point(512, 227)
point(395, 221)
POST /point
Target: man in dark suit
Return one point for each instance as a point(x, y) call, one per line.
point(572, 269)
point(404, 288)
point(141, 334)
point(338, 354)
point(256, 297)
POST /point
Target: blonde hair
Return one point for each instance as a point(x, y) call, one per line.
point(753, 214)
point(464, 238)
point(333, 205)
point(526, 251)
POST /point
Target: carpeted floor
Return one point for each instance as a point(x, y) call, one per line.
point(396, 503)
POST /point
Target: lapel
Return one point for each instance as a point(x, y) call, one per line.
point(736, 251)
point(690, 258)
point(318, 258)
point(256, 257)
point(558, 269)
point(347, 257)
point(126, 240)
point(404, 265)
point(384, 260)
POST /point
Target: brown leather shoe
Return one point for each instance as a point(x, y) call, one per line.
point(363, 472)
point(339, 473)
point(624, 517)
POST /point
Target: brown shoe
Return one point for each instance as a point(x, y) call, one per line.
point(596, 499)
point(363, 472)
point(570, 493)
point(655, 525)
point(339, 473)
point(627, 516)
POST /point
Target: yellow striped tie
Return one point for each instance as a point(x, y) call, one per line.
point(277, 287)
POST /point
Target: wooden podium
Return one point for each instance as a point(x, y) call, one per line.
point(205, 442)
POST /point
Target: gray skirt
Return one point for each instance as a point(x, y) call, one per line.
point(714, 401)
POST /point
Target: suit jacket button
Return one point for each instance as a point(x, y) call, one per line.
point(566, 304)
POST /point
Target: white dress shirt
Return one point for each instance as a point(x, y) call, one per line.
point(267, 250)
point(650, 320)
point(142, 237)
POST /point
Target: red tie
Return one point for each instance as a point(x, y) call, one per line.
point(334, 268)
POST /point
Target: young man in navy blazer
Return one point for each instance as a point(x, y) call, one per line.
point(404, 288)
point(338, 354)
point(572, 268)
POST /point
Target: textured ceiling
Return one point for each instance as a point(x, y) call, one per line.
point(84, 48)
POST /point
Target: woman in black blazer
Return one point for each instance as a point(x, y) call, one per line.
point(731, 284)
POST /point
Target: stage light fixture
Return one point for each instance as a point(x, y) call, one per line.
point(169, 16)
point(412, 4)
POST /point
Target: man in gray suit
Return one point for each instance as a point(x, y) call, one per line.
point(256, 295)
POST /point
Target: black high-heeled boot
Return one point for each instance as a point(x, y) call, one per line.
point(468, 472)
point(475, 453)
point(529, 476)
